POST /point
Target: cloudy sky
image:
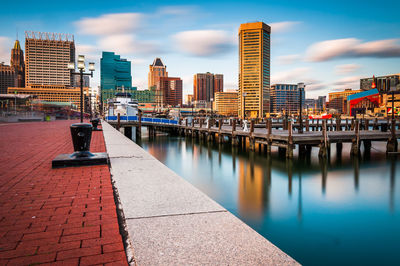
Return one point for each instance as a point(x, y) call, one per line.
point(328, 45)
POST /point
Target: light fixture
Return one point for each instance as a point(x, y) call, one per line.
point(81, 65)
point(71, 65)
point(81, 58)
point(91, 66)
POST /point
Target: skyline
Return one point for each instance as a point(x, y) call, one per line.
point(328, 47)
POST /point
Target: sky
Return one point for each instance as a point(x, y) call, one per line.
point(328, 45)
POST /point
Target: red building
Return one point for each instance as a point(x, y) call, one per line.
point(205, 85)
point(171, 89)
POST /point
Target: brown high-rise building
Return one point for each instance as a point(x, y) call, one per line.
point(171, 89)
point(254, 69)
point(13, 75)
point(17, 63)
point(47, 57)
point(156, 71)
point(205, 85)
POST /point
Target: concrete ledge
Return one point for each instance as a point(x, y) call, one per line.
point(171, 222)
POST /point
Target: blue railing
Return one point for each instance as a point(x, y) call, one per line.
point(144, 119)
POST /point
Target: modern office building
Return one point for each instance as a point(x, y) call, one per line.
point(383, 83)
point(285, 98)
point(226, 103)
point(144, 96)
point(205, 85)
point(47, 57)
point(115, 75)
point(338, 100)
point(13, 75)
point(321, 104)
point(254, 69)
point(171, 89)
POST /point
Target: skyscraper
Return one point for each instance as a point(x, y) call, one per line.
point(286, 98)
point(254, 69)
point(13, 75)
point(47, 57)
point(115, 74)
point(156, 71)
point(18, 64)
point(205, 85)
point(171, 89)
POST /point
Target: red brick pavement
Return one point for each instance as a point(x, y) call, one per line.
point(55, 216)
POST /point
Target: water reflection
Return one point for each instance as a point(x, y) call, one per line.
point(337, 210)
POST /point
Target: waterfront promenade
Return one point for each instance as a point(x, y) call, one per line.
point(63, 216)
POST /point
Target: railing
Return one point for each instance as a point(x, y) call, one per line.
point(135, 118)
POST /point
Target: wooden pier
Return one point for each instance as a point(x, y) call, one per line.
point(282, 134)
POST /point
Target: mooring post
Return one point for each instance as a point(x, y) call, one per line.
point(234, 138)
point(323, 148)
point(289, 148)
point(347, 124)
point(269, 132)
point(139, 127)
point(307, 124)
point(118, 122)
point(355, 145)
point(366, 124)
point(375, 127)
point(392, 145)
point(338, 124)
point(252, 144)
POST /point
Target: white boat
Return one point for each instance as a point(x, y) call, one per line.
point(123, 105)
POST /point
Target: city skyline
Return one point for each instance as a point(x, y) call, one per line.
point(328, 47)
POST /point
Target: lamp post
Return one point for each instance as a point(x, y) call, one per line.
point(81, 68)
point(301, 89)
point(81, 132)
point(211, 99)
point(244, 105)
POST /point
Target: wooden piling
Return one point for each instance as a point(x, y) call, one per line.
point(323, 148)
point(355, 145)
point(118, 122)
point(289, 148)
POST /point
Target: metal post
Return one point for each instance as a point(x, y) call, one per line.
point(81, 74)
point(301, 118)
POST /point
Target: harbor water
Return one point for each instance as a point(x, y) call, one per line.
point(338, 211)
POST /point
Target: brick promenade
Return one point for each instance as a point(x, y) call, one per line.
point(63, 216)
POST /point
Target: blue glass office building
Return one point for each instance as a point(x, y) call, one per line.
point(115, 74)
point(286, 98)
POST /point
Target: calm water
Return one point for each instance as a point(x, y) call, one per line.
point(340, 211)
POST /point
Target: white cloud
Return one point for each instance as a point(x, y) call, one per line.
point(111, 24)
point(127, 44)
point(204, 42)
point(352, 47)
point(346, 68)
point(5, 49)
point(288, 59)
point(91, 52)
point(284, 26)
point(347, 82)
point(291, 76)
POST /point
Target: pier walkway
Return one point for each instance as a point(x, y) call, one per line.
point(63, 216)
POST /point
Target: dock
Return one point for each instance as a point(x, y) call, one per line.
point(285, 134)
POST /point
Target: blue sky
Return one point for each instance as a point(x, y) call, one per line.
point(327, 45)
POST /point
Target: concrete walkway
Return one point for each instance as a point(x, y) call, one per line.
point(64, 216)
point(170, 222)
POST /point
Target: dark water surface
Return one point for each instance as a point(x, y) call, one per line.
point(338, 211)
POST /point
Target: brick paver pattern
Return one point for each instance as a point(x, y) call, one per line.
point(54, 216)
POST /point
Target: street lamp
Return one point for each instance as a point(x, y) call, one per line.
point(81, 68)
point(301, 90)
point(244, 105)
point(81, 132)
point(211, 99)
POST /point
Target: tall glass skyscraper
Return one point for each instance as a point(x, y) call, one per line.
point(115, 75)
point(254, 69)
